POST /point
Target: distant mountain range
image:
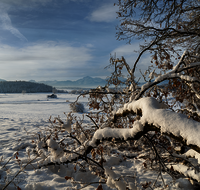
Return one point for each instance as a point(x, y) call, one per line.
point(84, 82)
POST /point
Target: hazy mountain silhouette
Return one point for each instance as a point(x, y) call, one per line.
point(84, 82)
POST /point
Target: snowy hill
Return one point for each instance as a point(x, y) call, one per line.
point(84, 82)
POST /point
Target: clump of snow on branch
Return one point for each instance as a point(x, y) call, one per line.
point(193, 153)
point(168, 121)
point(114, 180)
point(116, 133)
point(67, 126)
point(54, 148)
point(174, 73)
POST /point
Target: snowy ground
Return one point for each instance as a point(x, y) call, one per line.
point(30, 111)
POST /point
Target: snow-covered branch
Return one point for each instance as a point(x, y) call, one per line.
point(175, 124)
point(155, 117)
point(175, 73)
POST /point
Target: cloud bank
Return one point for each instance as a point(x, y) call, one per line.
point(45, 60)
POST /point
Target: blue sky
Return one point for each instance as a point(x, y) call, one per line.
point(59, 39)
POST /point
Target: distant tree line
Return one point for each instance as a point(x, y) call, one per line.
point(23, 86)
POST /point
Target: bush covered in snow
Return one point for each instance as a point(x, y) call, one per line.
point(77, 107)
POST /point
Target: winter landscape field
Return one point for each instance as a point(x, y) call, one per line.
point(22, 117)
point(28, 111)
point(138, 128)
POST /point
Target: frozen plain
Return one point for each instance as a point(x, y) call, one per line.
point(30, 111)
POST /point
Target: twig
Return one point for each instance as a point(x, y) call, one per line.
point(157, 155)
point(93, 121)
point(9, 160)
point(19, 173)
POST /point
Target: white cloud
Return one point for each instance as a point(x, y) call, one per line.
point(125, 50)
point(6, 24)
point(105, 13)
point(47, 60)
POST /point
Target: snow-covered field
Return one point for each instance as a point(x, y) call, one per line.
point(19, 111)
point(31, 111)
